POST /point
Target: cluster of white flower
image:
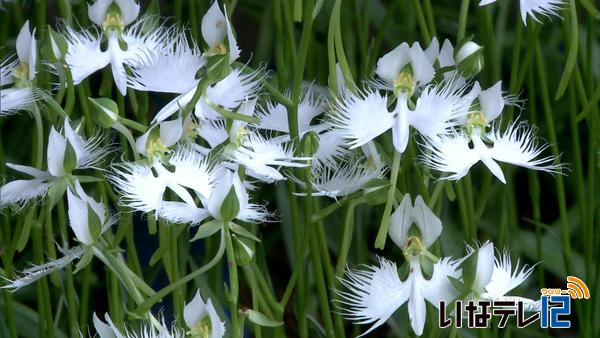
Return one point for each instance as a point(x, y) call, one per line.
point(219, 138)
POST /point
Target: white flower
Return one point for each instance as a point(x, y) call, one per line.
point(215, 28)
point(455, 153)
point(341, 178)
point(36, 272)
point(361, 118)
point(495, 276)
point(126, 46)
point(170, 71)
point(158, 329)
point(262, 157)
point(202, 318)
point(80, 204)
point(391, 66)
point(142, 187)
point(87, 155)
point(20, 72)
point(375, 293)
point(533, 7)
point(169, 134)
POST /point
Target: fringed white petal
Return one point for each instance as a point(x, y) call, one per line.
point(504, 277)
point(518, 145)
point(180, 212)
point(194, 171)
point(339, 179)
point(450, 154)
point(213, 132)
point(139, 188)
point(36, 272)
point(89, 152)
point(84, 55)
point(22, 191)
point(439, 108)
point(533, 8)
point(6, 68)
point(18, 99)
point(235, 88)
point(361, 118)
point(171, 72)
point(373, 294)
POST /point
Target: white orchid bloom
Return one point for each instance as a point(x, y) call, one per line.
point(126, 45)
point(262, 157)
point(20, 72)
point(87, 155)
point(340, 178)
point(456, 152)
point(202, 318)
point(80, 204)
point(142, 187)
point(361, 118)
point(517, 145)
point(158, 329)
point(215, 28)
point(495, 277)
point(375, 293)
point(532, 7)
point(408, 66)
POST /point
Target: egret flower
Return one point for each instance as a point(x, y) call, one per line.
point(163, 136)
point(174, 70)
point(202, 318)
point(533, 7)
point(127, 41)
point(495, 277)
point(20, 72)
point(376, 292)
point(456, 152)
point(360, 118)
point(64, 154)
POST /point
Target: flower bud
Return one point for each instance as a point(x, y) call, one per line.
point(230, 206)
point(469, 58)
point(244, 249)
point(54, 47)
point(309, 143)
point(106, 111)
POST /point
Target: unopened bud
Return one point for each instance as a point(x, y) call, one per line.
point(106, 111)
point(54, 47)
point(469, 59)
point(244, 249)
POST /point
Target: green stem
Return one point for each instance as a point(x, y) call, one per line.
point(462, 20)
point(233, 282)
point(346, 240)
point(145, 306)
point(385, 220)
